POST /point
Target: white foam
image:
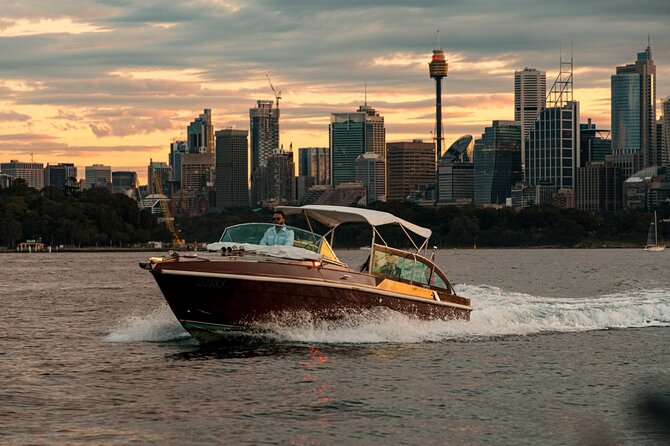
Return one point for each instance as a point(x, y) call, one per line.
point(158, 326)
point(496, 313)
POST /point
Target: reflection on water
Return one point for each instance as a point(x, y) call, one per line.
point(92, 355)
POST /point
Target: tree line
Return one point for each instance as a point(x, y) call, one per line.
point(466, 227)
point(93, 217)
point(96, 217)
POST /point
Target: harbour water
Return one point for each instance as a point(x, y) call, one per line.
point(564, 347)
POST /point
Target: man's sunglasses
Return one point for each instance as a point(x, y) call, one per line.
point(277, 218)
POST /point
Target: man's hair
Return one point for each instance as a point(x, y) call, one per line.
point(280, 213)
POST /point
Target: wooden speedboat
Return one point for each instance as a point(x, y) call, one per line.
point(242, 283)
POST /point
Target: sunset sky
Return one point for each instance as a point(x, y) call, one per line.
point(114, 82)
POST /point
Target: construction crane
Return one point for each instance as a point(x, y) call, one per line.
point(276, 93)
point(177, 241)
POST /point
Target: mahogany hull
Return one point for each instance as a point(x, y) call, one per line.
point(229, 295)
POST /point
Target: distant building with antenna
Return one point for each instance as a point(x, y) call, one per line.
point(32, 172)
point(352, 135)
point(552, 152)
point(264, 138)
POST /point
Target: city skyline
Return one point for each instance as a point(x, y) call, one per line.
point(90, 83)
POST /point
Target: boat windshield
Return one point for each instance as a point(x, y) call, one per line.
point(266, 234)
point(407, 267)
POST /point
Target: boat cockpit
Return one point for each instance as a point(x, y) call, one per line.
point(253, 234)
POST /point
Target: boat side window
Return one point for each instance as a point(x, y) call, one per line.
point(415, 271)
point(386, 264)
point(437, 281)
point(408, 268)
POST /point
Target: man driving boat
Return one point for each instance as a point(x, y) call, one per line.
point(279, 234)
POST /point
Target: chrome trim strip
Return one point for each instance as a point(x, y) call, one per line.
point(312, 283)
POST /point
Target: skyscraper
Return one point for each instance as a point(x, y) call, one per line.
point(275, 181)
point(98, 175)
point(456, 173)
point(371, 173)
point(314, 162)
point(598, 187)
point(552, 148)
point(375, 133)
point(594, 143)
point(351, 135)
point(410, 168)
point(200, 134)
point(497, 162)
point(60, 175)
point(33, 173)
point(530, 92)
point(164, 174)
point(263, 131)
point(124, 182)
point(347, 142)
point(634, 109)
point(177, 150)
point(232, 166)
point(665, 122)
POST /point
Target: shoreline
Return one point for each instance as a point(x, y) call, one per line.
point(94, 249)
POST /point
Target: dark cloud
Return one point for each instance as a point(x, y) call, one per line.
point(13, 116)
point(332, 47)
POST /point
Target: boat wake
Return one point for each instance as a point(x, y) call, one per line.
point(158, 326)
point(496, 314)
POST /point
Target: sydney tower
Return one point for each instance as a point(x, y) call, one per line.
point(438, 67)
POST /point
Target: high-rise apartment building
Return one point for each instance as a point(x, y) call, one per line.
point(60, 175)
point(633, 114)
point(98, 175)
point(33, 173)
point(263, 132)
point(371, 173)
point(314, 162)
point(232, 166)
point(530, 92)
point(200, 134)
point(410, 169)
point(497, 162)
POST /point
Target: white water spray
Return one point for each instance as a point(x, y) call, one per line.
point(496, 313)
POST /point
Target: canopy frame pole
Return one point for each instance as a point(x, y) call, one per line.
point(411, 239)
point(309, 222)
point(374, 231)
